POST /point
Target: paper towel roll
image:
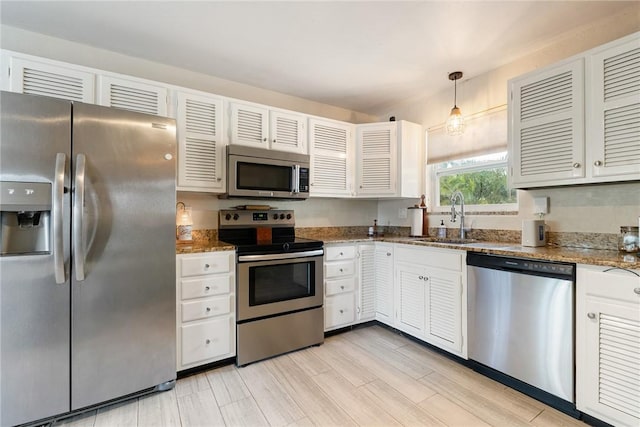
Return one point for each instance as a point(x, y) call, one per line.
point(416, 221)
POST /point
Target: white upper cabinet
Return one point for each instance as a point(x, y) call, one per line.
point(133, 95)
point(578, 121)
point(48, 78)
point(613, 128)
point(258, 126)
point(200, 142)
point(547, 125)
point(331, 151)
point(389, 159)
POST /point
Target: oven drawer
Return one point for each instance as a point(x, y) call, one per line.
point(339, 310)
point(206, 340)
point(339, 269)
point(333, 287)
point(206, 286)
point(205, 308)
point(222, 262)
point(336, 253)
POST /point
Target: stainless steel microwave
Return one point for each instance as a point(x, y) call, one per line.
point(264, 174)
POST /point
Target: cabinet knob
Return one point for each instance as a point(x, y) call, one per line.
point(591, 315)
point(207, 288)
point(208, 341)
point(388, 253)
point(341, 254)
point(208, 309)
point(636, 290)
point(341, 311)
point(264, 140)
point(421, 277)
point(342, 287)
point(341, 270)
point(597, 163)
point(426, 278)
point(361, 186)
point(206, 266)
point(218, 179)
point(576, 165)
point(274, 140)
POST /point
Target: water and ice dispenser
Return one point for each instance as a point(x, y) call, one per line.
point(25, 218)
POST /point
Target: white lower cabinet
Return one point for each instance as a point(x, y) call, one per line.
point(430, 296)
point(383, 280)
point(205, 293)
point(339, 286)
point(608, 344)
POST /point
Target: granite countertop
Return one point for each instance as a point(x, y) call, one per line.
point(200, 247)
point(563, 254)
point(605, 258)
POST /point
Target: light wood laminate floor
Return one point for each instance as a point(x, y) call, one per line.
point(369, 376)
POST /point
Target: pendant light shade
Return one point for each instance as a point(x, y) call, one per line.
point(455, 122)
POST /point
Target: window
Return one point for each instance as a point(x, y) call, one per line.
point(481, 179)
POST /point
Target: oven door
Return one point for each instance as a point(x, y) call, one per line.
point(279, 283)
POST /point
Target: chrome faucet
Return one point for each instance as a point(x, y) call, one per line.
point(458, 195)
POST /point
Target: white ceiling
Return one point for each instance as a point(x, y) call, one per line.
point(360, 55)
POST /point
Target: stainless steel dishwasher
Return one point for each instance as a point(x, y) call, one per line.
point(521, 324)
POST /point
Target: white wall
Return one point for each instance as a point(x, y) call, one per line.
point(593, 208)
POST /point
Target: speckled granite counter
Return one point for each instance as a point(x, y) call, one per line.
point(203, 246)
point(562, 254)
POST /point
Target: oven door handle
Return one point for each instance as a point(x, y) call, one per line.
point(269, 257)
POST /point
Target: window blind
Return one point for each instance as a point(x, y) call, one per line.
point(485, 133)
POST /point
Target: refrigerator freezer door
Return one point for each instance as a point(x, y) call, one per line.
point(34, 310)
point(123, 309)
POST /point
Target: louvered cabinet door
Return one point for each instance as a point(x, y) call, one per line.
point(249, 125)
point(608, 344)
point(330, 149)
point(288, 132)
point(614, 127)
point(200, 143)
point(40, 78)
point(132, 95)
point(377, 159)
point(444, 310)
point(383, 290)
point(546, 126)
point(366, 283)
point(410, 285)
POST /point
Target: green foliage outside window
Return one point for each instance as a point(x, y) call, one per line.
point(488, 186)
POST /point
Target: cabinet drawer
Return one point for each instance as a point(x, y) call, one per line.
point(205, 308)
point(431, 257)
point(207, 340)
point(339, 269)
point(336, 253)
point(339, 310)
point(339, 286)
point(207, 286)
point(613, 284)
point(222, 262)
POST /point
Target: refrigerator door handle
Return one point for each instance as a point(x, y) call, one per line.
point(58, 218)
point(78, 217)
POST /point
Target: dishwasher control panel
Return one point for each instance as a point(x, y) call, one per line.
point(524, 265)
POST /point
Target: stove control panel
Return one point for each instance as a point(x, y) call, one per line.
point(256, 218)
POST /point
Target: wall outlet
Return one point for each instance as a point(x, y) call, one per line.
point(402, 213)
point(540, 205)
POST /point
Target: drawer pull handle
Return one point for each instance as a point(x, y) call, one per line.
point(636, 290)
point(591, 315)
point(208, 341)
point(208, 309)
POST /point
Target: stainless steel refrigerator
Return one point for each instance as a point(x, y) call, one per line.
point(87, 265)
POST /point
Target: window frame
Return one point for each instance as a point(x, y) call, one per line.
point(435, 173)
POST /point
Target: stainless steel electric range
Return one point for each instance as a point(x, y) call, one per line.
point(279, 283)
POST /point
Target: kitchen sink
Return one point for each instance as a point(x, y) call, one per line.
point(452, 240)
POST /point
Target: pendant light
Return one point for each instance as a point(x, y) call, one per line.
point(455, 122)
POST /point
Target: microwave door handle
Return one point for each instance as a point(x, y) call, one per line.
point(295, 188)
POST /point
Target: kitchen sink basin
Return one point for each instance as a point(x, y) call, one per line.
point(455, 241)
